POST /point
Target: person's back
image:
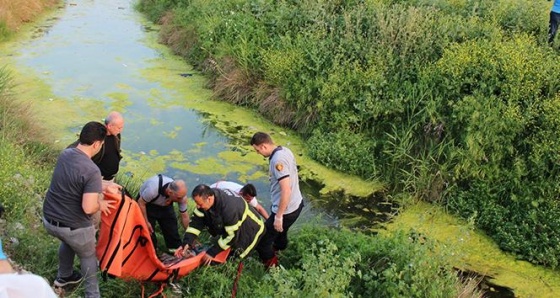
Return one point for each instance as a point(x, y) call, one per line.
point(556, 6)
point(233, 186)
point(63, 199)
point(248, 192)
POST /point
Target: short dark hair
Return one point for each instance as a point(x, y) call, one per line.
point(92, 132)
point(248, 189)
point(260, 138)
point(202, 190)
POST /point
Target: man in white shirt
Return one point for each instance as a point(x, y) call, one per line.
point(247, 192)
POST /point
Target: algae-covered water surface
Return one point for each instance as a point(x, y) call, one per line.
point(91, 57)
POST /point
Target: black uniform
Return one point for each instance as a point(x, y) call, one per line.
point(238, 224)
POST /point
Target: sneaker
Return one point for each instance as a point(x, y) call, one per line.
point(75, 278)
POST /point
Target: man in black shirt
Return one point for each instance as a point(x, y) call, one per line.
point(109, 157)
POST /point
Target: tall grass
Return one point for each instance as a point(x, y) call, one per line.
point(16, 12)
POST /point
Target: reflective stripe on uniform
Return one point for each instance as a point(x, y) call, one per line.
point(261, 230)
point(193, 231)
point(224, 242)
point(198, 213)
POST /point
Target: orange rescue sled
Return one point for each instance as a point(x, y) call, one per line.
point(125, 249)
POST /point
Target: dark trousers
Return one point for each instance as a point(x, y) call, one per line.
point(274, 240)
point(167, 219)
point(553, 26)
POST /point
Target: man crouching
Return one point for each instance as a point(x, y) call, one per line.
point(226, 215)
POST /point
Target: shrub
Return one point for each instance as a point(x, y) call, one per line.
point(444, 99)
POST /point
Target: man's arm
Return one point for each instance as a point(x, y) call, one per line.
point(142, 205)
point(90, 202)
point(285, 194)
point(193, 230)
point(183, 209)
point(260, 209)
point(185, 219)
point(93, 202)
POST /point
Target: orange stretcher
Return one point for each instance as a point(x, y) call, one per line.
point(125, 250)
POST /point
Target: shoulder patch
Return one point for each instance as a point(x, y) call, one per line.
point(279, 167)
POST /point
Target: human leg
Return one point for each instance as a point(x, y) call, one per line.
point(82, 242)
point(170, 228)
point(65, 252)
point(65, 260)
point(281, 241)
point(153, 216)
point(264, 248)
point(553, 26)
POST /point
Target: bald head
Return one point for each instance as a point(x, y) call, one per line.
point(114, 123)
point(177, 190)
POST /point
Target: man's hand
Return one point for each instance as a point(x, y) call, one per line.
point(207, 259)
point(179, 252)
point(105, 206)
point(184, 252)
point(278, 222)
point(111, 187)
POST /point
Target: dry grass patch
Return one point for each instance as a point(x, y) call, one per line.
point(277, 109)
point(231, 83)
point(16, 12)
point(179, 39)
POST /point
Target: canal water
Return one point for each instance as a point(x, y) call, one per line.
point(98, 56)
point(95, 56)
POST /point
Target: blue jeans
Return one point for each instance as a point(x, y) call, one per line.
point(79, 242)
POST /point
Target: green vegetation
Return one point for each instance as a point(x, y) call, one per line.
point(320, 262)
point(324, 262)
point(4, 31)
point(453, 101)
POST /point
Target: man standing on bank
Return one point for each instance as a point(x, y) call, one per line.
point(156, 198)
point(74, 195)
point(287, 201)
point(109, 156)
